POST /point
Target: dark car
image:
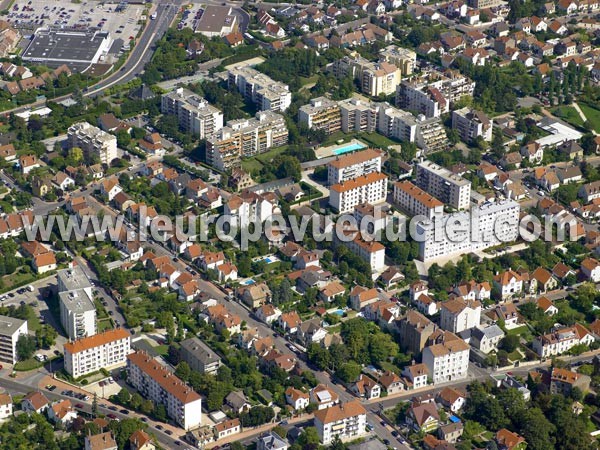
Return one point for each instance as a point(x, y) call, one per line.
point(144, 419)
point(386, 441)
point(159, 427)
point(395, 433)
point(124, 411)
point(111, 416)
point(169, 432)
point(79, 405)
point(113, 408)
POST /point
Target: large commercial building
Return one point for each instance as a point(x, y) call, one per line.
point(444, 185)
point(402, 58)
point(216, 21)
point(75, 48)
point(346, 421)
point(321, 114)
point(94, 142)
point(463, 232)
point(374, 78)
point(371, 188)
point(245, 138)
point(446, 358)
point(353, 165)
point(77, 310)
point(199, 356)
point(10, 330)
point(196, 116)
point(101, 351)
point(472, 124)
point(264, 92)
point(155, 382)
point(415, 201)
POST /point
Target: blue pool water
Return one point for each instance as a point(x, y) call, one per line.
point(454, 419)
point(348, 148)
point(268, 260)
point(338, 312)
point(248, 282)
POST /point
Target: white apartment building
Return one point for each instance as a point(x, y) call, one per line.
point(353, 165)
point(457, 315)
point(472, 124)
point(77, 310)
point(10, 331)
point(102, 351)
point(155, 382)
point(433, 93)
point(248, 207)
point(245, 138)
point(484, 226)
point(431, 134)
point(415, 201)
point(196, 116)
point(562, 340)
point(372, 252)
point(358, 115)
point(402, 58)
point(346, 421)
point(444, 185)
point(396, 123)
point(447, 358)
point(321, 114)
point(374, 78)
point(264, 92)
point(93, 141)
point(371, 188)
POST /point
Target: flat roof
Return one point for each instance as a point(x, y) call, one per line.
point(74, 278)
point(8, 325)
point(64, 46)
point(77, 301)
point(215, 18)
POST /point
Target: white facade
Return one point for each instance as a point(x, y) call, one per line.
point(458, 315)
point(374, 78)
point(196, 116)
point(10, 331)
point(444, 185)
point(93, 141)
point(471, 124)
point(447, 359)
point(354, 165)
point(77, 314)
point(346, 422)
point(155, 382)
point(263, 91)
point(371, 188)
point(395, 123)
point(90, 354)
point(562, 340)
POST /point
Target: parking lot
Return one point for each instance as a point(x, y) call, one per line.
point(190, 16)
point(33, 14)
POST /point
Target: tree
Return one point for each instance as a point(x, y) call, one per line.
point(183, 371)
point(95, 406)
point(160, 412)
point(124, 396)
point(25, 347)
point(348, 372)
point(510, 342)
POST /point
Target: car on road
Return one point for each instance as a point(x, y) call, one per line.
point(112, 416)
point(113, 408)
point(124, 411)
point(159, 427)
point(395, 433)
point(79, 405)
point(169, 432)
point(144, 419)
point(50, 387)
point(386, 442)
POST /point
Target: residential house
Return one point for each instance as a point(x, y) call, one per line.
point(35, 401)
point(451, 398)
point(289, 322)
point(366, 388)
point(296, 398)
point(423, 417)
point(390, 382)
point(417, 374)
point(486, 339)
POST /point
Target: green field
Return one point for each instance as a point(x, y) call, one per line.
point(568, 114)
point(592, 115)
point(257, 162)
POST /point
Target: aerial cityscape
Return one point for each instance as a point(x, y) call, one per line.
point(308, 225)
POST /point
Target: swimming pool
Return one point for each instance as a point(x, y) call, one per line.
point(454, 419)
point(347, 148)
point(338, 312)
point(248, 282)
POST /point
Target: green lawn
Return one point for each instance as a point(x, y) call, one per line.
point(28, 364)
point(568, 114)
point(162, 350)
point(592, 115)
point(257, 162)
point(105, 324)
point(518, 331)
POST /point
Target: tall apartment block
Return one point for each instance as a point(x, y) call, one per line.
point(77, 309)
point(472, 124)
point(93, 141)
point(371, 188)
point(264, 92)
point(431, 134)
point(195, 115)
point(353, 165)
point(444, 185)
point(10, 331)
point(244, 138)
point(358, 115)
point(403, 58)
point(374, 78)
point(415, 201)
point(321, 114)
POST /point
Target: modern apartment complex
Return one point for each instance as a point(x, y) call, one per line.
point(472, 124)
point(403, 58)
point(358, 115)
point(431, 134)
point(77, 310)
point(433, 93)
point(196, 116)
point(245, 138)
point(371, 188)
point(101, 351)
point(374, 78)
point(264, 92)
point(200, 357)
point(396, 123)
point(94, 142)
point(485, 226)
point(321, 114)
point(446, 358)
point(157, 383)
point(415, 201)
point(10, 330)
point(444, 185)
point(353, 165)
point(345, 421)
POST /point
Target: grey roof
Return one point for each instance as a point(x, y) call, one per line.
point(490, 332)
point(272, 441)
point(236, 399)
point(77, 301)
point(373, 444)
point(199, 350)
point(72, 279)
point(8, 325)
